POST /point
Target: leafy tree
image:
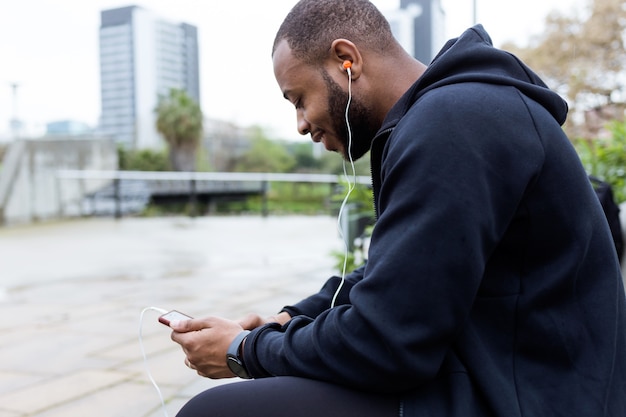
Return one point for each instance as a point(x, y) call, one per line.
point(179, 120)
point(582, 58)
point(305, 161)
point(265, 155)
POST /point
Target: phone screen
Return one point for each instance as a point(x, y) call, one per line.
point(173, 315)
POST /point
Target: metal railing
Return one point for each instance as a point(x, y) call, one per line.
point(217, 180)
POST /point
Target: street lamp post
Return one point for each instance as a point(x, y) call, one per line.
point(15, 122)
point(474, 19)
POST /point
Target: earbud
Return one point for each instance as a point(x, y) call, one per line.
point(347, 65)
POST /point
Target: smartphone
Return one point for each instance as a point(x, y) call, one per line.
point(173, 315)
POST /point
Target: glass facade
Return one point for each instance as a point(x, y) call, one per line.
point(142, 57)
point(117, 83)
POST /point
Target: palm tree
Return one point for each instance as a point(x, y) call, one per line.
point(179, 120)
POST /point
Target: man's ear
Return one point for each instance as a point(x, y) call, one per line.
point(343, 50)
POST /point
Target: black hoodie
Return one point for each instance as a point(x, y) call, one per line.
point(492, 286)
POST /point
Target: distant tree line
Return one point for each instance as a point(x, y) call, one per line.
point(180, 121)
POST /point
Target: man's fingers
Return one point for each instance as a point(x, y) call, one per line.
point(192, 325)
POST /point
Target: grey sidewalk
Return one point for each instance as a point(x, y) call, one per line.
point(71, 295)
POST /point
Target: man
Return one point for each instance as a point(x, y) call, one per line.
point(492, 287)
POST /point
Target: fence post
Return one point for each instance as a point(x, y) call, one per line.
point(193, 197)
point(118, 198)
point(264, 207)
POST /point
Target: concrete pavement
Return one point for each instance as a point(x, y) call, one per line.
point(71, 295)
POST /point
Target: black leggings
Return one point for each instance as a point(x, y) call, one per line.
point(288, 397)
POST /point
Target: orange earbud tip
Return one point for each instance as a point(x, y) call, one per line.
point(347, 64)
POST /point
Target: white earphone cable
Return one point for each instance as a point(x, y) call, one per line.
point(351, 185)
point(145, 357)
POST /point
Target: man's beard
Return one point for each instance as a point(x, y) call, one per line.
point(360, 117)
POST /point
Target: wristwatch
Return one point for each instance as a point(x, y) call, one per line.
point(233, 356)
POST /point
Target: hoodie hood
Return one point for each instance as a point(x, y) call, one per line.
point(472, 58)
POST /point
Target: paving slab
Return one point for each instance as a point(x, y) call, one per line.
point(72, 293)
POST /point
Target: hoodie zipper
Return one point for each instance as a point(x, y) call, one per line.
point(384, 133)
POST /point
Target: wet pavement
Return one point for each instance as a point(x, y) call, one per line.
point(71, 296)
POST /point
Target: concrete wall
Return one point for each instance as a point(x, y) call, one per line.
point(29, 188)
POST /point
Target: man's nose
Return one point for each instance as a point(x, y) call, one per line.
point(303, 126)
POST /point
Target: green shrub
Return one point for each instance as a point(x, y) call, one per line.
point(142, 160)
point(361, 203)
point(605, 158)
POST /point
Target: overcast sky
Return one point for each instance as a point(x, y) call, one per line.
point(49, 48)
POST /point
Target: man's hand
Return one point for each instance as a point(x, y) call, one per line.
point(205, 342)
point(252, 321)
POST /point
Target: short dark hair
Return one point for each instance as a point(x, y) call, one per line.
point(312, 25)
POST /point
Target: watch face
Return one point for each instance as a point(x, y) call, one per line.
point(237, 368)
point(235, 364)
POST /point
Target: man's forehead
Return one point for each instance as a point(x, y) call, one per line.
point(282, 53)
point(286, 64)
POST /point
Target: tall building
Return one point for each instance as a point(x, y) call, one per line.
point(142, 56)
point(419, 27)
